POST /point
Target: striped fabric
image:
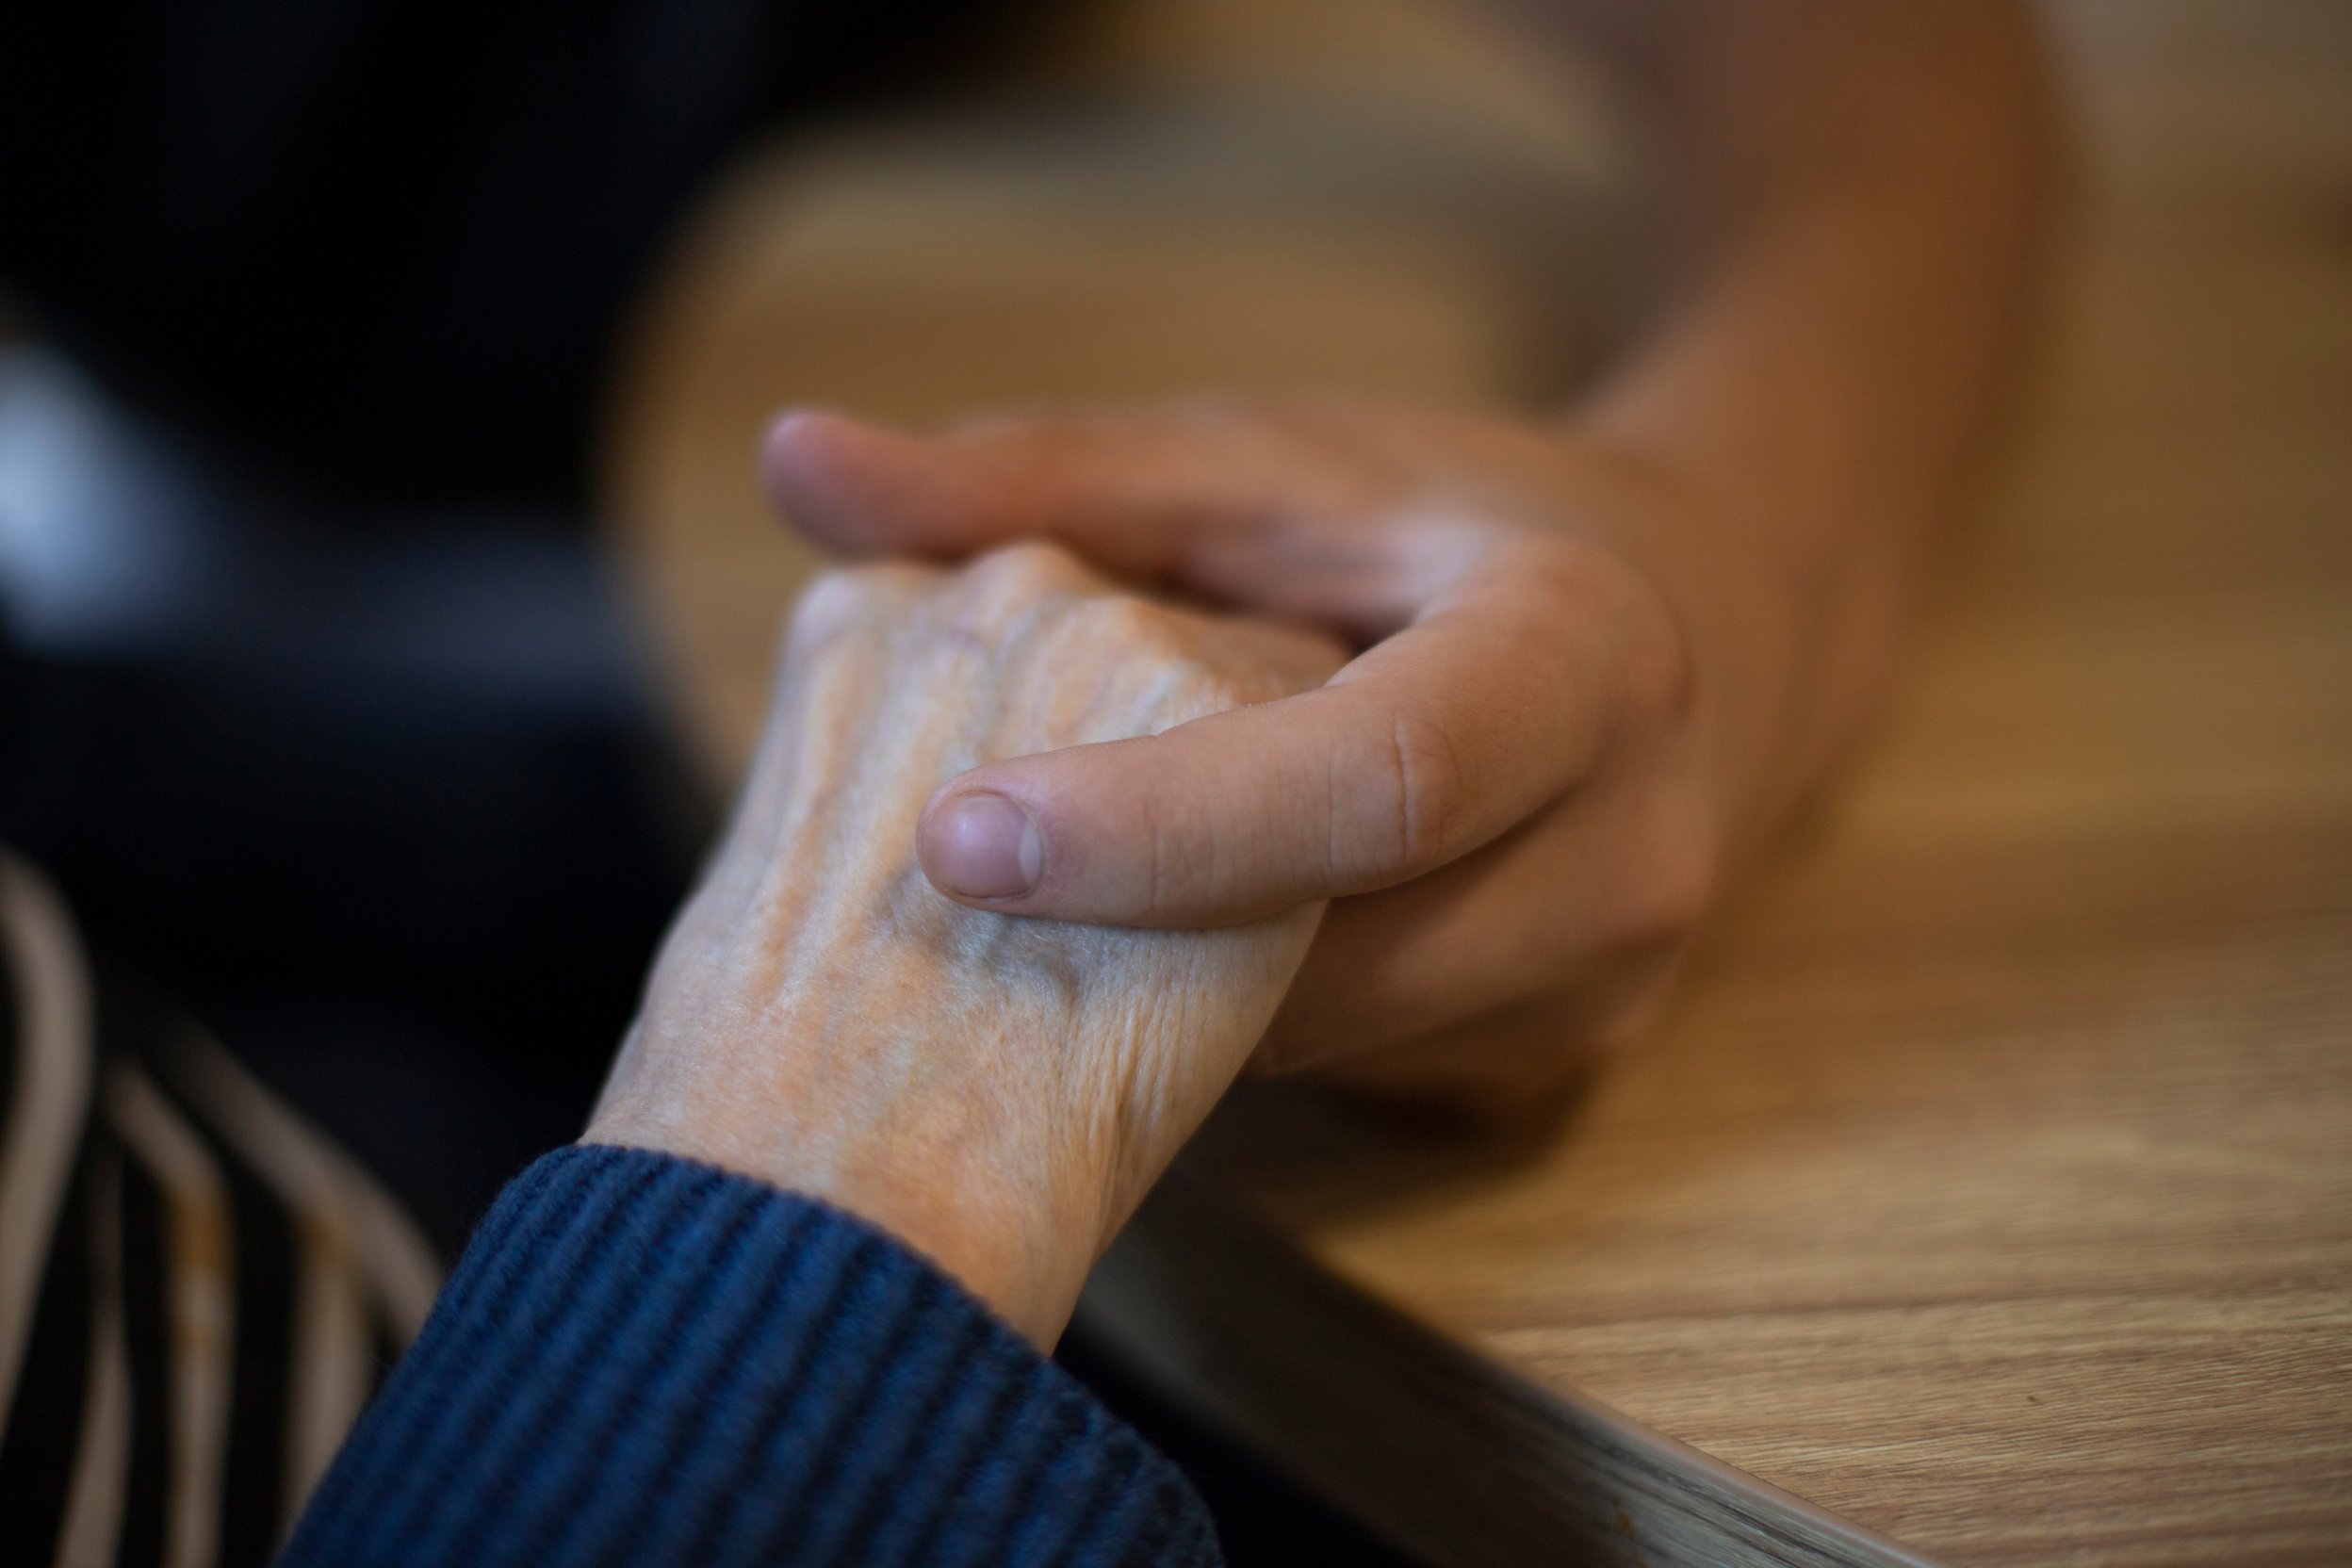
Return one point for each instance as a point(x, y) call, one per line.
point(198, 1291)
point(646, 1363)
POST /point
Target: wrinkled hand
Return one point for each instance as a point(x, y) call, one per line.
point(999, 1092)
point(1520, 792)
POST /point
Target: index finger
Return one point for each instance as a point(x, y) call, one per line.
point(1228, 505)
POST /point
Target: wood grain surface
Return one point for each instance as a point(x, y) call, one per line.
point(1990, 1188)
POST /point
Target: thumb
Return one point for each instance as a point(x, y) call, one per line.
point(1427, 746)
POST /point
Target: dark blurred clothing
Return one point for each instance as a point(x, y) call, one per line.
point(382, 248)
point(645, 1363)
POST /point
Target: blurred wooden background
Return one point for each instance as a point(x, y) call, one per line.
point(1991, 1187)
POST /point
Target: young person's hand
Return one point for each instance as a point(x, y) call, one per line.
point(1600, 653)
point(998, 1092)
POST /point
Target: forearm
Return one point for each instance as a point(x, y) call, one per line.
point(1863, 184)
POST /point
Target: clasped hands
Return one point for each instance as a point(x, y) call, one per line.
point(1032, 860)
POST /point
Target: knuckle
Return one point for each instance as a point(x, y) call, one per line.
point(1653, 660)
point(1029, 570)
point(1002, 589)
point(1198, 687)
point(1156, 657)
point(1397, 803)
point(1429, 796)
point(841, 597)
point(1178, 869)
point(1121, 626)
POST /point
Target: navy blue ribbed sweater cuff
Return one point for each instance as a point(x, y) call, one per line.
point(640, 1361)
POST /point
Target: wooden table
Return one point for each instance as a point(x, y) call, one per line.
point(1989, 1196)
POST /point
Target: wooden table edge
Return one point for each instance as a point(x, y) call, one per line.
point(1446, 1452)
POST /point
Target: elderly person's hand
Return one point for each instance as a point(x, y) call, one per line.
point(998, 1092)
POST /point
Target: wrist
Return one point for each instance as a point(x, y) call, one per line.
point(1017, 1229)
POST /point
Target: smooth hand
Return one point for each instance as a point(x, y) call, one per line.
point(1600, 654)
point(998, 1092)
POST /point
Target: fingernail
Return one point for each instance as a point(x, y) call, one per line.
point(983, 846)
point(786, 427)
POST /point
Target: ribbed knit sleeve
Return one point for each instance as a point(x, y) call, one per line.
point(644, 1361)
